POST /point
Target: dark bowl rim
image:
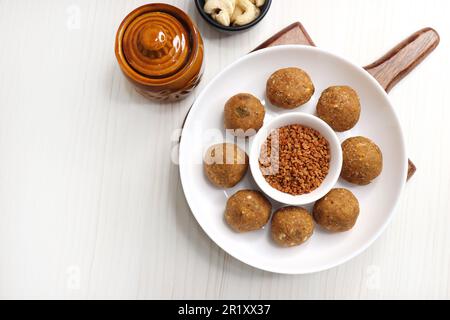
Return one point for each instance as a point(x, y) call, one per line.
point(211, 21)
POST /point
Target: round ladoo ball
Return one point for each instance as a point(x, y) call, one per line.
point(363, 161)
point(292, 226)
point(338, 211)
point(339, 107)
point(289, 88)
point(225, 165)
point(248, 211)
point(244, 114)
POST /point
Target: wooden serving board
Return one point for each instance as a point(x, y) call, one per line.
point(388, 70)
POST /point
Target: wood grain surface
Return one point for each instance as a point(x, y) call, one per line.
point(91, 204)
point(401, 60)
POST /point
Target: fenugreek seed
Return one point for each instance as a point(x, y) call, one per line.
point(303, 160)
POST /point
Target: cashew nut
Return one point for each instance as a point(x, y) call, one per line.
point(249, 12)
point(258, 3)
point(220, 10)
point(237, 12)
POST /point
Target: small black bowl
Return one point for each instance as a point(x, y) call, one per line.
point(201, 4)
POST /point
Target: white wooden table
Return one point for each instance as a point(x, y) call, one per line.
point(90, 201)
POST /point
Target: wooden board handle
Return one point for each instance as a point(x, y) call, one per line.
point(400, 61)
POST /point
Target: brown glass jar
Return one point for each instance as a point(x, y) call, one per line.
point(160, 50)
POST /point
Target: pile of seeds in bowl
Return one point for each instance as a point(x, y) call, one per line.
point(295, 159)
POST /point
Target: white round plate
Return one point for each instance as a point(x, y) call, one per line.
point(204, 127)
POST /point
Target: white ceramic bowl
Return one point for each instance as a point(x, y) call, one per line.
point(306, 120)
